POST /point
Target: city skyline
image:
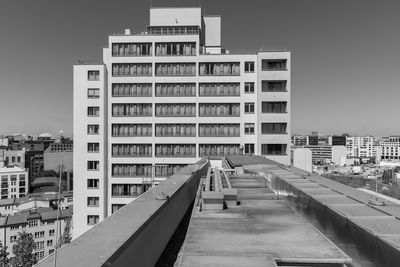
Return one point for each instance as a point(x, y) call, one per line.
point(344, 66)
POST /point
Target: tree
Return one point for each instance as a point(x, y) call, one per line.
point(4, 261)
point(66, 237)
point(23, 250)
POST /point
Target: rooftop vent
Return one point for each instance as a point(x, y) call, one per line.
point(128, 31)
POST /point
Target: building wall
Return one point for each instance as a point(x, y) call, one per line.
point(52, 160)
point(81, 156)
point(278, 75)
point(302, 159)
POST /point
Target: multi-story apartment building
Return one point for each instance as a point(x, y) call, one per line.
point(164, 98)
point(390, 148)
point(40, 223)
point(14, 181)
point(13, 157)
point(300, 140)
point(360, 146)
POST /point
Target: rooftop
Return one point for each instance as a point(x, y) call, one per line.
point(260, 228)
point(262, 225)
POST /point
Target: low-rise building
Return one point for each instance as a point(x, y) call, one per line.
point(34, 201)
point(40, 223)
point(14, 182)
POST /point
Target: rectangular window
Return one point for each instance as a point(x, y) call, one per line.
point(50, 243)
point(93, 165)
point(172, 129)
point(131, 89)
point(273, 149)
point(93, 111)
point(115, 207)
point(219, 149)
point(175, 110)
point(93, 183)
point(249, 66)
point(249, 128)
point(39, 234)
point(219, 130)
point(13, 238)
point(18, 159)
point(176, 49)
point(93, 147)
point(51, 232)
point(39, 255)
point(219, 89)
point(249, 87)
point(130, 130)
point(131, 69)
point(93, 219)
point(93, 93)
point(93, 75)
point(126, 190)
point(175, 89)
point(273, 64)
point(219, 68)
point(219, 109)
point(175, 69)
point(131, 49)
point(273, 107)
point(39, 245)
point(273, 86)
point(248, 107)
point(93, 201)
point(132, 150)
point(93, 129)
point(248, 148)
point(33, 223)
point(132, 110)
point(175, 150)
point(273, 128)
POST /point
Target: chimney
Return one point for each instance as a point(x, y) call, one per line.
point(128, 31)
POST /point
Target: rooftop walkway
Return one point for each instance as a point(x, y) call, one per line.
point(261, 231)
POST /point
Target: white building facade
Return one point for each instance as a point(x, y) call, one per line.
point(360, 146)
point(14, 182)
point(165, 98)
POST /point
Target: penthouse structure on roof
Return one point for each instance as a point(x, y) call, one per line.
point(166, 97)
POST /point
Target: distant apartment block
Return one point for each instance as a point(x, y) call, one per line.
point(14, 182)
point(164, 98)
point(360, 146)
point(390, 148)
point(41, 223)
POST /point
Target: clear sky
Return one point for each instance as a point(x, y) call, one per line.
point(345, 56)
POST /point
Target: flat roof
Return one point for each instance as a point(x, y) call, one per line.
point(259, 232)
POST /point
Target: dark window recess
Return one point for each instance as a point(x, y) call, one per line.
point(273, 64)
point(249, 66)
point(273, 86)
point(273, 149)
point(273, 128)
point(273, 107)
